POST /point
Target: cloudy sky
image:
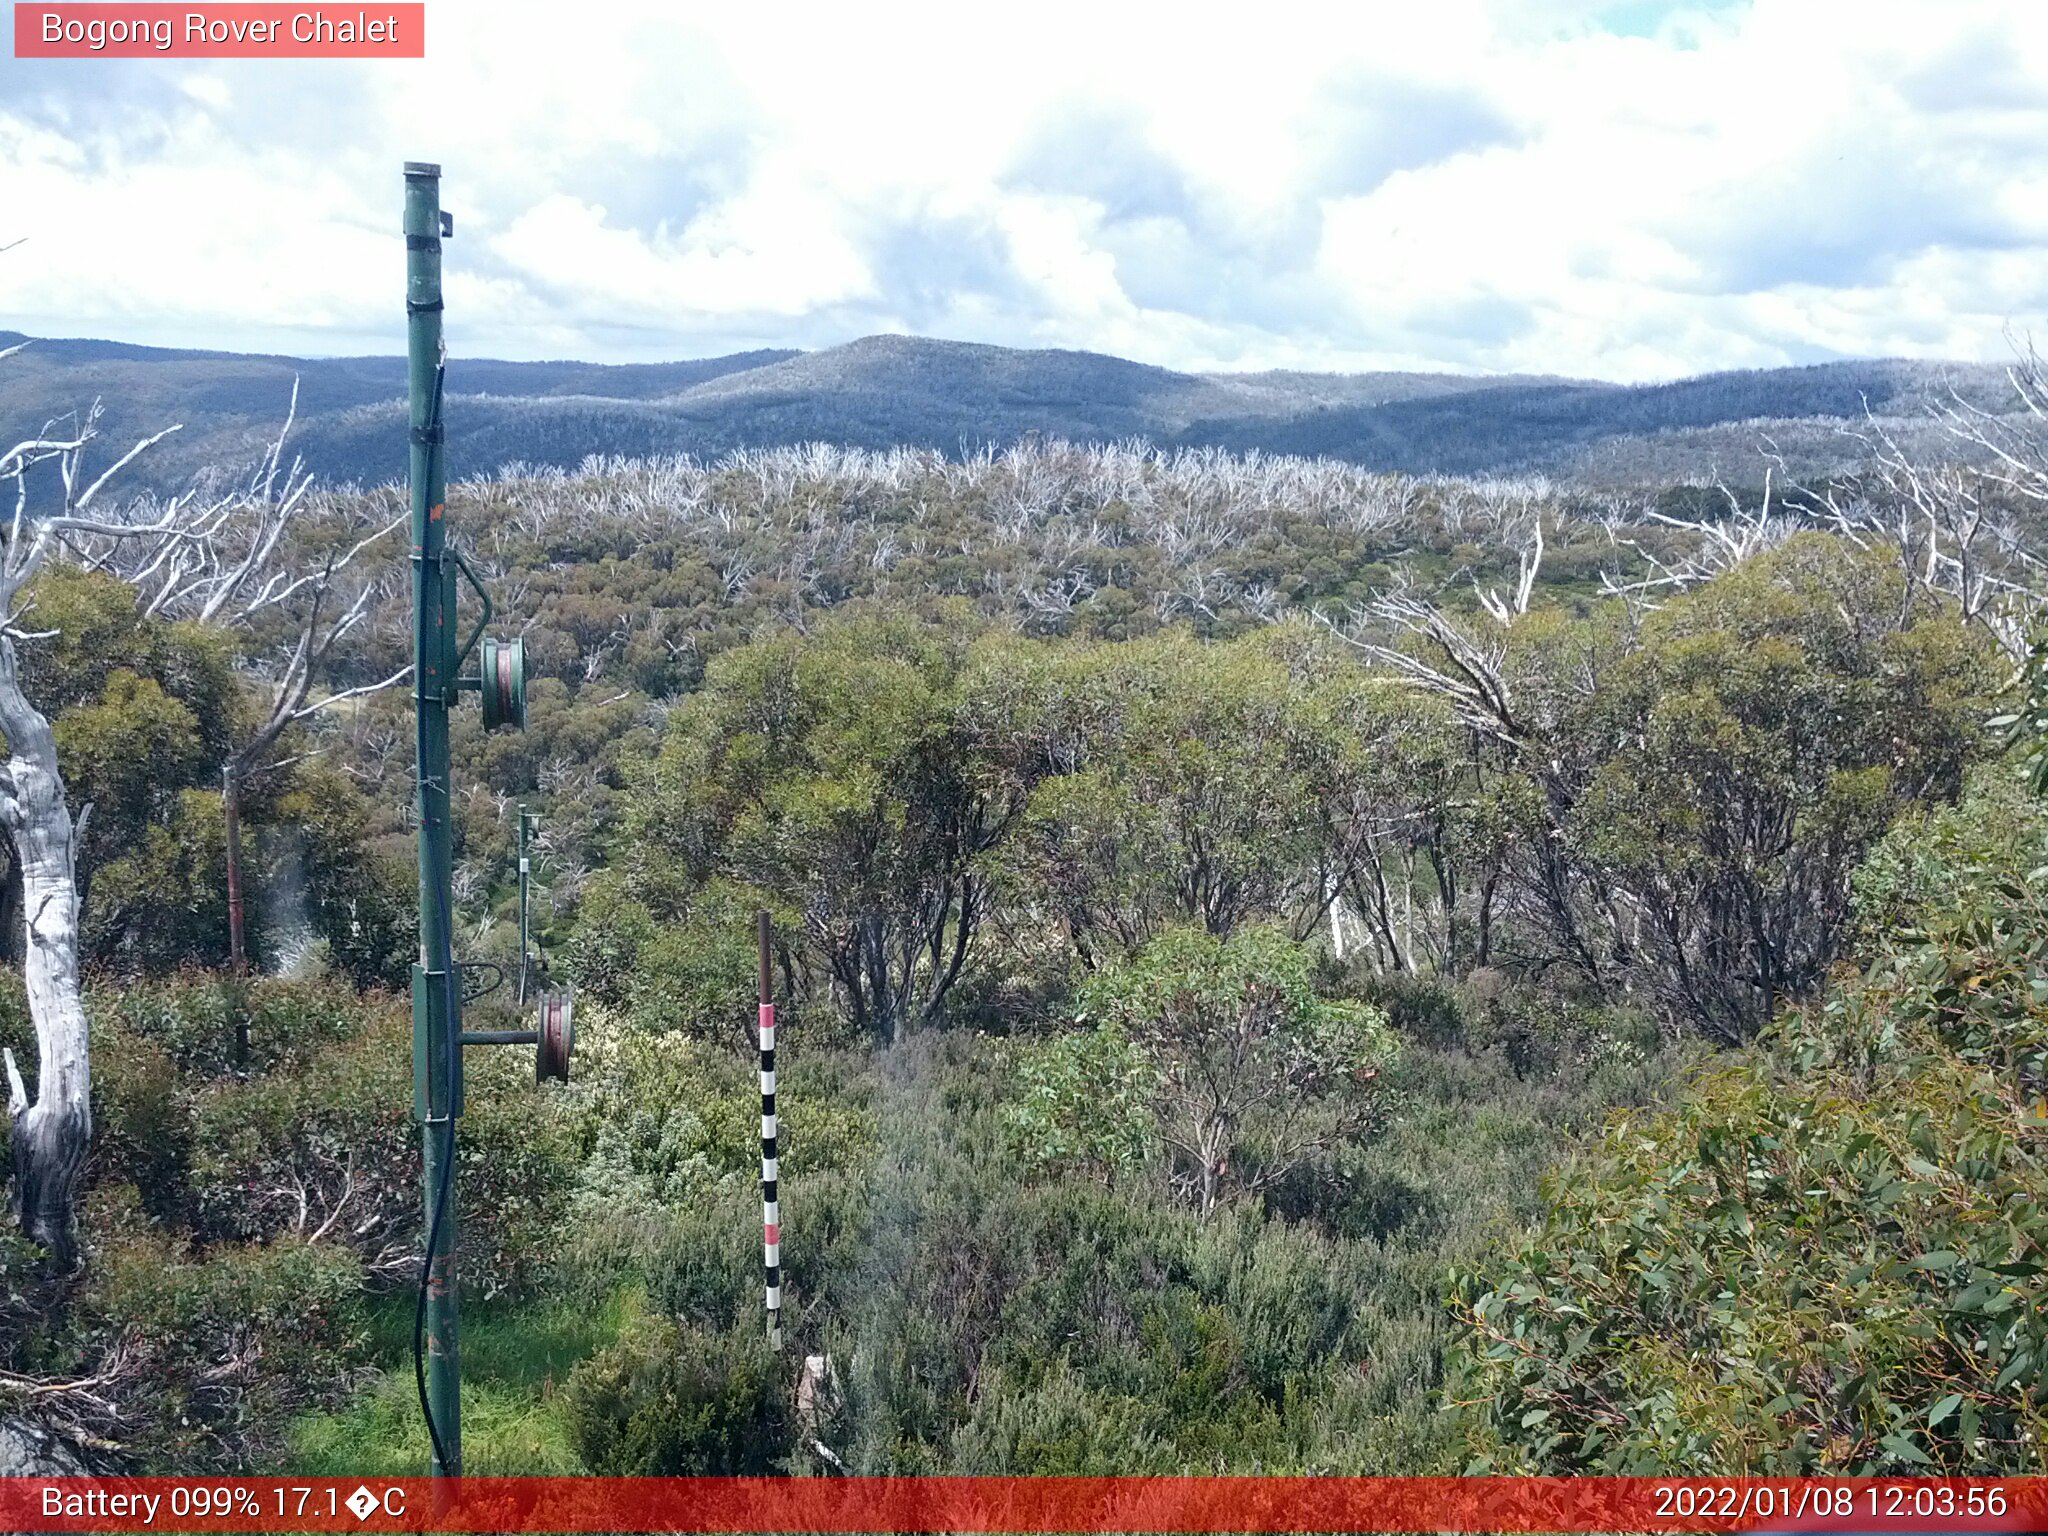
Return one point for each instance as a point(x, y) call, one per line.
point(1616, 190)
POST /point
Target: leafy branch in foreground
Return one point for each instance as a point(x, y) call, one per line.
point(1830, 1258)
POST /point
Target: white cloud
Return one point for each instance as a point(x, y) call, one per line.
point(1623, 189)
point(768, 252)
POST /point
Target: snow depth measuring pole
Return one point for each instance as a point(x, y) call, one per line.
point(771, 1209)
point(437, 660)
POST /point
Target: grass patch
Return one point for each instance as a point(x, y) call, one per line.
point(514, 1358)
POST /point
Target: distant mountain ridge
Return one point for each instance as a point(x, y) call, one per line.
point(884, 391)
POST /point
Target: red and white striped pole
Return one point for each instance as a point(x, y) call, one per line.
point(771, 1215)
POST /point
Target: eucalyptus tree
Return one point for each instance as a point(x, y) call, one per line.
point(1190, 790)
point(1691, 785)
point(273, 564)
point(832, 773)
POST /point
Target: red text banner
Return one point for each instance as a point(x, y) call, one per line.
point(220, 31)
point(1019, 1504)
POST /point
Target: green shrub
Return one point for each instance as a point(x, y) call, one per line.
point(1056, 1426)
point(989, 1315)
point(699, 975)
point(665, 1119)
point(603, 951)
point(673, 1400)
point(705, 1268)
point(1082, 1101)
point(213, 1352)
point(323, 1146)
point(693, 973)
point(1255, 1072)
point(1829, 1258)
point(1541, 1031)
point(1425, 1009)
point(191, 1016)
point(143, 1121)
point(1941, 857)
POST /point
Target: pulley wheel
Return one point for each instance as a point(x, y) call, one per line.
point(504, 684)
point(557, 1037)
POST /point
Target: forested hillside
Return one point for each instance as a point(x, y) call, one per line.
point(887, 392)
point(1210, 892)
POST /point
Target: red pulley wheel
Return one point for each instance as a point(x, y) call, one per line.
point(503, 684)
point(557, 1037)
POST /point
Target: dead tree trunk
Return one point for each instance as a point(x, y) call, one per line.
point(51, 1132)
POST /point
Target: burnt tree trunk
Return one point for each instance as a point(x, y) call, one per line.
point(51, 1133)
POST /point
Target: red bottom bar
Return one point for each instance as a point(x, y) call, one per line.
point(1897, 1506)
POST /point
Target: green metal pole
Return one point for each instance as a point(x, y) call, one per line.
point(436, 998)
point(525, 821)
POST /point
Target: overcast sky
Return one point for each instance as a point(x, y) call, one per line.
point(1626, 191)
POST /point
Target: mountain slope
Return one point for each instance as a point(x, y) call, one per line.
point(883, 391)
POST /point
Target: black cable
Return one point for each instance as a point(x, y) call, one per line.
point(419, 1320)
point(447, 1180)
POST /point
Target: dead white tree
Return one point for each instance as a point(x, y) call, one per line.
point(291, 701)
point(1527, 541)
point(1464, 665)
point(1964, 528)
point(1714, 547)
point(52, 1130)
